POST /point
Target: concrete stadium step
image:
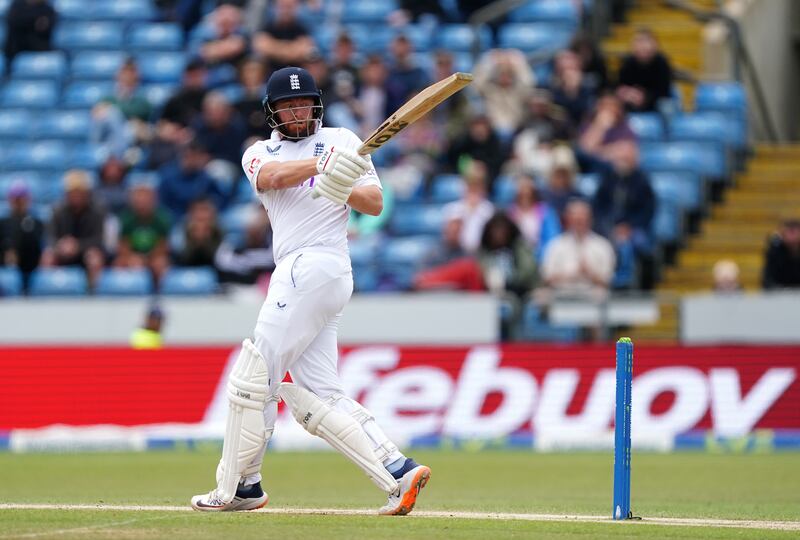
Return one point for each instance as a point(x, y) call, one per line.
point(755, 212)
point(783, 151)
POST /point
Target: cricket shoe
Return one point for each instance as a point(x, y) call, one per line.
point(411, 479)
point(247, 498)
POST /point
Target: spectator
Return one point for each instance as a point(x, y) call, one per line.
point(183, 107)
point(726, 277)
point(111, 191)
point(285, 41)
point(455, 111)
point(250, 260)
point(570, 91)
point(149, 335)
point(561, 183)
point(480, 143)
point(343, 109)
point(21, 233)
point(605, 128)
point(448, 266)
point(185, 179)
point(343, 68)
point(221, 129)
point(144, 232)
point(536, 220)
point(373, 95)
point(109, 132)
point(532, 145)
point(578, 261)
point(77, 228)
point(782, 259)
point(405, 77)
point(253, 76)
point(474, 209)
point(225, 44)
point(202, 235)
point(316, 65)
point(505, 81)
point(645, 75)
point(126, 96)
point(592, 62)
point(624, 206)
point(29, 26)
point(507, 263)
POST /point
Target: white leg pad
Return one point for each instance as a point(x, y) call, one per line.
point(381, 445)
point(339, 430)
point(245, 432)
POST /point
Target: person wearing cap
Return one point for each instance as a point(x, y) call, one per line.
point(149, 335)
point(21, 233)
point(144, 232)
point(77, 228)
point(782, 258)
point(308, 178)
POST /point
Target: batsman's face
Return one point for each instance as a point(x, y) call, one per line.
point(295, 113)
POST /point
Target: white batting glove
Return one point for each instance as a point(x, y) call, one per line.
point(342, 165)
point(333, 189)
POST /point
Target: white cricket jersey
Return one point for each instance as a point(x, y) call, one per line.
point(298, 221)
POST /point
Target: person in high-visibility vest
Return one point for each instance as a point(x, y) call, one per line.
point(149, 336)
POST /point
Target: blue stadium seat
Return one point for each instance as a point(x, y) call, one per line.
point(85, 94)
point(38, 95)
point(125, 282)
point(97, 65)
point(38, 155)
point(74, 9)
point(189, 281)
point(536, 328)
point(63, 124)
point(10, 281)
point(325, 36)
point(698, 127)
point(124, 10)
point(417, 219)
point(647, 126)
point(668, 221)
point(234, 220)
point(39, 65)
point(707, 159)
point(459, 37)
point(505, 190)
point(367, 11)
point(4, 5)
point(364, 255)
point(158, 94)
point(447, 188)
point(687, 189)
point(85, 156)
point(15, 124)
point(401, 258)
point(89, 35)
point(587, 184)
point(463, 61)
point(365, 278)
point(63, 281)
point(161, 67)
point(155, 37)
point(723, 96)
point(534, 37)
point(549, 11)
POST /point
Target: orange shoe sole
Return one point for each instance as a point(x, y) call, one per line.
point(410, 498)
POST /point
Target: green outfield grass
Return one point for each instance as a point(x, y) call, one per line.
point(754, 486)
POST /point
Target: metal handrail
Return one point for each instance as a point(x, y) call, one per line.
point(740, 54)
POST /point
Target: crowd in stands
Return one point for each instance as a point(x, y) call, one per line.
point(501, 165)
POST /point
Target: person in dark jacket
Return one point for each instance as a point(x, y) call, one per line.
point(782, 259)
point(480, 143)
point(645, 75)
point(29, 26)
point(185, 179)
point(624, 206)
point(21, 233)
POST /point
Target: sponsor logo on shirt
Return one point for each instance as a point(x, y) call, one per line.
point(254, 163)
point(273, 151)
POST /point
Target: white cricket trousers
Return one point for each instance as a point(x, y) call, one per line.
point(297, 329)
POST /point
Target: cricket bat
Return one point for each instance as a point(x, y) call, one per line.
point(414, 109)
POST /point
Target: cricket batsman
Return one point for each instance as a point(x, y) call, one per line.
point(308, 178)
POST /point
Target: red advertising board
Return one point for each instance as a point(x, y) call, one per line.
point(471, 392)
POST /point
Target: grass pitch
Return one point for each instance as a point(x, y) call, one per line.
point(764, 487)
